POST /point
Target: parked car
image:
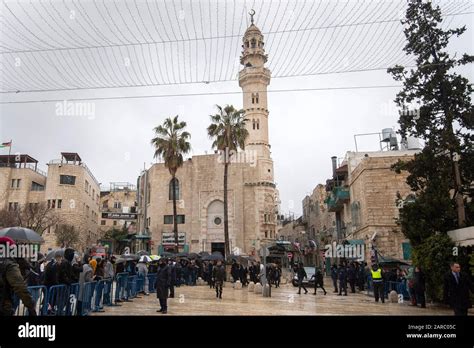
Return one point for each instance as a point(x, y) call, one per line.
point(306, 282)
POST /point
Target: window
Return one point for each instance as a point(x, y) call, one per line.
point(117, 205)
point(13, 183)
point(168, 219)
point(217, 221)
point(93, 194)
point(36, 187)
point(115, 223)
point(49, 203)
point(148, 222)
point(86, 186)
point(253, 43)
point(13, 206)
point(60, 201)
point(33, 206)
point(102, 222)
point(170, 195)
point(67, 180)
point(266, 234)
point(355, 214)
point(253, 124)
point(87, 210)
point(105, 204)
point(53, 203)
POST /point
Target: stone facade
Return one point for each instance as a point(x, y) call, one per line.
point(252, 195)
point(76, 204)
point(319, 221)
point(118, 200)
point(373, 193)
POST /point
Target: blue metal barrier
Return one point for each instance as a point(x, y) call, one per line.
point(131, 287)
point(73, 298)
point(87, 297)
point(99, 291)
point(108, 291)
point(58, 300)
point(40, 298)
point(120, 286)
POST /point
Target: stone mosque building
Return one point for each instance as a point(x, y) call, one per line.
point(252, 195)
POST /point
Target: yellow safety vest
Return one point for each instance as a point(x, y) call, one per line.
point(376, 274)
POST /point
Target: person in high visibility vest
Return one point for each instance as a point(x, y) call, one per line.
point(377, 281)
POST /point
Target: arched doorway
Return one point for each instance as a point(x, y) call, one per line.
point(215, 226)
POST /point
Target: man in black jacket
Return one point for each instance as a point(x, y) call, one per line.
point(218, 276)
point(162, 284)
point(301, 274)
point(65, 270)
point(456, 290)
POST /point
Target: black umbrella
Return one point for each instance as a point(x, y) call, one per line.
point(51, 254)
point(194, 256)
point(204, 254)
point(183, 254)
point(214, 257)
point(21, 235)
point(167, 254)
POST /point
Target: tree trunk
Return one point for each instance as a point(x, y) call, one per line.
point(175, 214)
point(226, 217)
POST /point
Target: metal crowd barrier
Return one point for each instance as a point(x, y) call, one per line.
point(58, 300)
point(63, 300)
point(399, 287)
point(40, 298)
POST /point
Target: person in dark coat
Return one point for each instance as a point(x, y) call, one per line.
point(301, 274)
point(361, 275)
point(65, 271)
point(351, 276)
point(162, 284)
point(210, 268)
point(334, 277)
point(172, 268)
point(243, 275)
point(419, 286)
point(318, 280)
point(234, 271)
point(12, 282)
point(342, 275)
point(456, 290)
point(218, 276)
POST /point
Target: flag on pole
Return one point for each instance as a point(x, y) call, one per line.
point(8, 144)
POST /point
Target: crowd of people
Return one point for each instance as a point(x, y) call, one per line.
point(68, 268)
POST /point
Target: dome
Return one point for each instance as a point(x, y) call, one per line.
point(253, 29)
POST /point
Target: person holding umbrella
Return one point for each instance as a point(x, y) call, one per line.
point(11, 282)
point(162, 284)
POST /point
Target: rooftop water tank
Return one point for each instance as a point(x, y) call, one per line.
point(413, 143)
point(386, 134)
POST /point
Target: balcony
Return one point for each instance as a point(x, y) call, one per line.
point(339, 195)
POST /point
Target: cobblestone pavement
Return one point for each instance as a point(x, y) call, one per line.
point(201, 300)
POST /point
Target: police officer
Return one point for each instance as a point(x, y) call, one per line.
point(377, 281)
point(218, 277)
point(11, 281)
point(342, 275)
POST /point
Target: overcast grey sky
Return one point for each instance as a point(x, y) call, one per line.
point(306, 128)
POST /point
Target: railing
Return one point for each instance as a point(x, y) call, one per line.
point(82, 164)
point(17, 165)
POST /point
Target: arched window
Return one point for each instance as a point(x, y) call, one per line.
point(170, 195)
point(258, 124)
point(253, 42)
point(253, 123)
point(256, 98)
point(247, 44)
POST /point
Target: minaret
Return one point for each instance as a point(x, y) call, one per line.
point(254, 79)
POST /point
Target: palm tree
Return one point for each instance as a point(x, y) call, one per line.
point(171, 142)
point(229, 134)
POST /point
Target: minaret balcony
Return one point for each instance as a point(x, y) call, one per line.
point(253, 73)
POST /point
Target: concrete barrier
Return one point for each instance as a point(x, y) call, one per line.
point(251, 287)
point(258, 288)
point(238, 285)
